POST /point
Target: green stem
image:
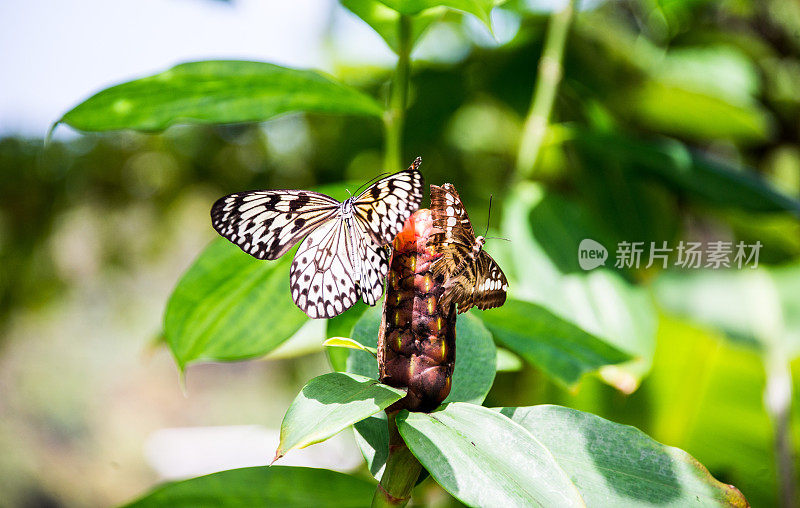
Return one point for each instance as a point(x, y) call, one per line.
point(394, 117)
point(778, 398)
point(549, 76)
point(401, 473)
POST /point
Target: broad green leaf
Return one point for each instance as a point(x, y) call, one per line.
point(348, 343)
point(706, 395)
point(547, 231)
point(478, 8)
point(291, 487)
point(307, 340)
point(485, 459)
point(758, 306)
point(230, 306)
point(342, 326)
point(365, 332)
point(507, 361)
point(476, 361)
point(559, 348)
point(708, 181)
point(216, 92)
point(676, 111)
point(372, 437)
point(385, 21)
point(472, 379)
point(619, 465)
point(330, 403)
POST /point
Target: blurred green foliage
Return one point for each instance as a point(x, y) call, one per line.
point(675, 120)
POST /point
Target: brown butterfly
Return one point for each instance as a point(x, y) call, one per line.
point(472, 277)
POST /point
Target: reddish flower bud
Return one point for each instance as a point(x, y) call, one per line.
point(416, 345)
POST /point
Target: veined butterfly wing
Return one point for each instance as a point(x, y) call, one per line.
point(266, 224)
point(386, 204)
point(472, 277)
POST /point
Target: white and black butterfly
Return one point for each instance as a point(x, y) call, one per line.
point(471, 276)
point(342, 257)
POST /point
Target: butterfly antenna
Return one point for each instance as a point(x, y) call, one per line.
point(371, 181)
point(497, 238)
point(489, 217)
point(348, 191)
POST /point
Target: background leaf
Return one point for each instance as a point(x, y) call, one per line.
point(230, 306)
point(384, 20)
point(547, 230)
point(263, 486)
point(216, 92)
point(558, 347)
point(618, 465)
point(329, 404)
point(478, 8)
point(484, 459)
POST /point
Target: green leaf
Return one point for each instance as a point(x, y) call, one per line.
point(330, 403)
point(619, 465)
point(283, 486)
point(709, 181)
point(348, 343)
point(676, 111)
point(485, 459)
point(543, 266)
point(508, 361)
point(385, 21)
point(706, 395)
point(756, 306)
point(476, 361)
point(365, 332)
point(216, 92)
point(472, 379)
point(230, 306)
point(342, 326)
point(481, 9)
point(558, 347)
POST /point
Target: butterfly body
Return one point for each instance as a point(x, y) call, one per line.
point(341, 257)
point(472, 277)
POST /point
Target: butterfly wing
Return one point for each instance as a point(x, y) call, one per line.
point(383, 208)
point(455, 237)
point(491, 283)
point(321, 276)
point(371, 264)
point(472, 277)
point(266, 224)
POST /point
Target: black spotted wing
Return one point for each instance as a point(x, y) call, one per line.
point(341, 258)
point(384, 207)
point(266, 224)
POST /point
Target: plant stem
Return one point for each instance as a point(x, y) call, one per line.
point(778, 398)
point(549, 76)
point(394, 117)
point(401, 473)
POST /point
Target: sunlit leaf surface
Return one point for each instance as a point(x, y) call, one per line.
point(216, 92)
point(618, 465)
point(485, 459)
point(263, 486)
point(329, 404)
point(558, 347)
point(230, 306)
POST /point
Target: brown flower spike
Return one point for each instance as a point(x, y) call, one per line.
point(416, 344)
